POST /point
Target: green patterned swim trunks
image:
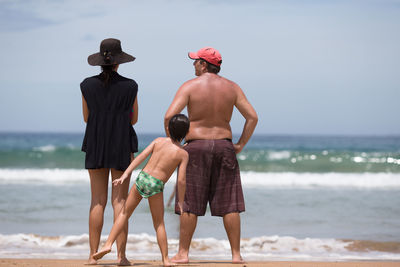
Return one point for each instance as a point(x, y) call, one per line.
point(147, 185)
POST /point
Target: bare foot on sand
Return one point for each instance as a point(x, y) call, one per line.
point(167, 262)
point(101, 253)
point(238, 260)
point(124, 262)
point(180, 259)
point(91, 261)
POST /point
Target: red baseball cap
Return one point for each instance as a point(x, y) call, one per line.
point(209, 54)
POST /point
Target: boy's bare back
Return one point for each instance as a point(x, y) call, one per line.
point(165, 158)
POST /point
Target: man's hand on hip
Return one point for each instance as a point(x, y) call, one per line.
point(238, 148)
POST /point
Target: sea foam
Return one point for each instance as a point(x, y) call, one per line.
point(290, 180)
point(320, 180)
point(46, 148)
point(144, 246)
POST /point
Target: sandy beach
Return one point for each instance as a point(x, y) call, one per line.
point(73, 263)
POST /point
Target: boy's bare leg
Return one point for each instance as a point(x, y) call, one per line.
point(156, 204)
point(232, 228)
point(98, 188)
point(188, 222)
point(131, 203)
point(119, 195)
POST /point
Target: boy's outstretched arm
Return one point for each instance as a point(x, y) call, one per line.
point(136, 162)
point(182, 180)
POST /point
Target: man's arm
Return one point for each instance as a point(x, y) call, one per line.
point(180, 101)
point(248, 112)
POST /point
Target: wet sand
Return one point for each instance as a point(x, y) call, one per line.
point(73, 263)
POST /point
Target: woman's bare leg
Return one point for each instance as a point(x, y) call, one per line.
point(118, 198)
point(156, 204)
point(98, 188)
point(131, 203)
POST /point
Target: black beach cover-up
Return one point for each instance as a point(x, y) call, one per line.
point(109, 137)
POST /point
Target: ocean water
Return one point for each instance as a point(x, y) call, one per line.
point(307, 198)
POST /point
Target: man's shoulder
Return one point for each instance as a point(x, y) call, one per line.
point(189, 86)
point(229, 82)
point(221, 80)
point(201, 80)
point(191, 82)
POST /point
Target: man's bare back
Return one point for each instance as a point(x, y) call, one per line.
point(210, 106)
point(210, 100)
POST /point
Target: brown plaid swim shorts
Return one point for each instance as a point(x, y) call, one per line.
point(212, 176)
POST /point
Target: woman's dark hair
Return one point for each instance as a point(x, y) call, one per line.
point(211, 67)
point(178, 127)
point(105, 75)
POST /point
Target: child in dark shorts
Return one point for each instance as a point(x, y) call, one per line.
point(166, 155)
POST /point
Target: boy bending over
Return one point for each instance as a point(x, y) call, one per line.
point(166, 155)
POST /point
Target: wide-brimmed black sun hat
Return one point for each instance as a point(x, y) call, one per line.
point(110, 54)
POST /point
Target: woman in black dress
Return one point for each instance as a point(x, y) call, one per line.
point(110, 108)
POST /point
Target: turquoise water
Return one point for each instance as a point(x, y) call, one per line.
point(304, 196)
point(262, 154)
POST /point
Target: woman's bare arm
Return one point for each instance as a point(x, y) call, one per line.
point(135, 112)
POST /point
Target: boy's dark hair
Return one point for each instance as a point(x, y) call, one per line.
point(178, 127)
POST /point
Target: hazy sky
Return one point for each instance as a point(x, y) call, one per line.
point(308, 67)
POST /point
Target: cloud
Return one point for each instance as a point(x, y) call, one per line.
point(24, 15)
point(12, 19)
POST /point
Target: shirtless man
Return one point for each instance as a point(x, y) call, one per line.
point(212, 173)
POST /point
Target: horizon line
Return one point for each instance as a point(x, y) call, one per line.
point(234, 134)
